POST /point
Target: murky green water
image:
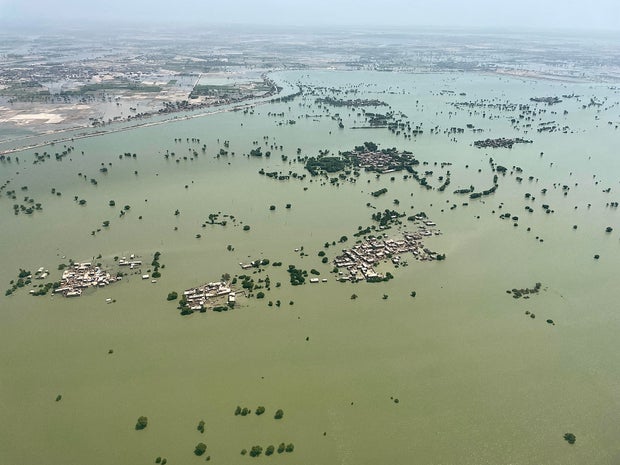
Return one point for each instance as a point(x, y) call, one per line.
point(478, 381)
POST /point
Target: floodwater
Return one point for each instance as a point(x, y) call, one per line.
point(477, 380)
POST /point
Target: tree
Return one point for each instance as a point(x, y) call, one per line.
point(172, 295)
point(141, 423)
point(256, 451)
point(279, 414)
point(200, 448)
point(570, 438)
point(269, 451)
point(281, 448)
point(260, 410)
point(289, 447)
point(201, 426)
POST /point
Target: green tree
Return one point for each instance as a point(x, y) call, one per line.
point(279, 414)
point(570, 438)
point(256, 451)
point(200, 448)
point(141, 423)
point(260, 410)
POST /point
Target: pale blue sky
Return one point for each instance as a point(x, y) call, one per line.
point(547, 14)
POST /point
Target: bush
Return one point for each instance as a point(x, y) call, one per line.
point(141, 423)
point(200, 449)
point(570, 438)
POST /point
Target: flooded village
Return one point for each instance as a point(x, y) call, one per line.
point(447, 208)
point(361, 260)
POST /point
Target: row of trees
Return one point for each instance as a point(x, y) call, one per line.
point(256, 451)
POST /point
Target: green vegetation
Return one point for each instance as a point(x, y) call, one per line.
point(141, 423)
point(260, 410)
point(172, 295)
point(201, 426)
point(279, 414)
point(200, 448)
point(246, 228)
point(269, 450)
point(297, 276)
point(518, 293)
point(255, 451)
point(570, 438)
point(379, 192)
point(326, 164)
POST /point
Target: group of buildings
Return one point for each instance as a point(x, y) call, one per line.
point(211, 294)
point(360, 260)
point(81, 276)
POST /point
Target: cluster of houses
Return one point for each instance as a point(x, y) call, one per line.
point(82, 276)
point(360, 260)
point(384, 162)
point(197, 298)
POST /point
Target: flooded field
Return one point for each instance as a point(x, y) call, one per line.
point(460, 373)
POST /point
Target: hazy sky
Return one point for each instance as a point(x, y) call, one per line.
point(551, 14)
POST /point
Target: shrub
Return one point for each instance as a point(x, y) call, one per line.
point(200, 449)
point(141, 423)
point(570, 438)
